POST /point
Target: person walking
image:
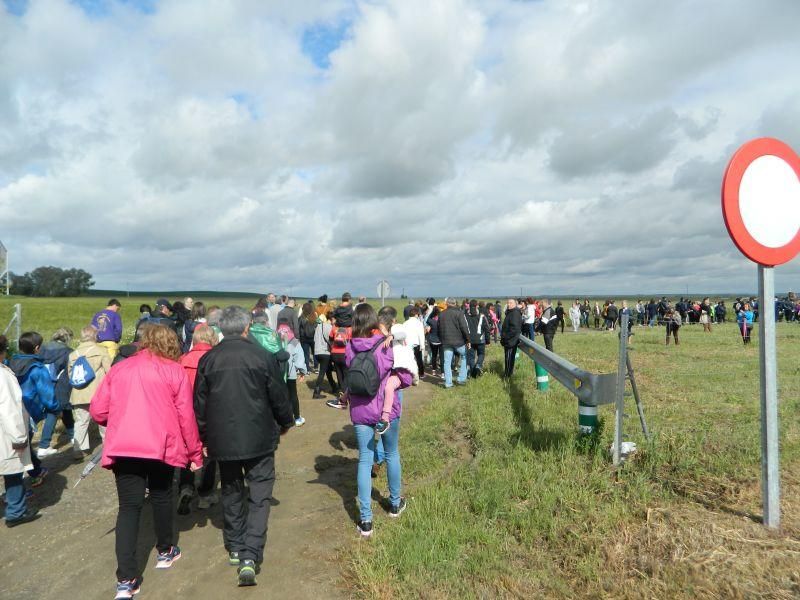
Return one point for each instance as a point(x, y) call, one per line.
point(745, 317)
point(560, 315)
point(55, 356)
point(549, 324)
point(99, 362)
point(322, 356)
point(204, 338)
point(308, 327)
point(242, 407)
point(365, 412)
point(454, 333)
point(575, 316)
point(672, 320)
point(478, 326)
point(145, 403)
point(15, 447)
point(435, 342)
point(509, 336)
point(705, 314)
point(108, 324)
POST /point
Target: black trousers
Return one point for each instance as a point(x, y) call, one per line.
point(437, 357)
point(510, 358)
point(339, 366)
point(132, 476)
point(245, 528)
point(308, 352)
point(548, 341)
point(420, 363)
point(325, 370)
point(291, 384)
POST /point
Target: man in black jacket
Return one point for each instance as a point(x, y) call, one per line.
point(549, 320)
point(509, 336)
point(242, 407)
point(454, 333)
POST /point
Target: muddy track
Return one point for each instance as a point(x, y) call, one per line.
point(69, 551)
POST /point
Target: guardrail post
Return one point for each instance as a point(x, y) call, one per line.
point(587, 418)
point(542, 378)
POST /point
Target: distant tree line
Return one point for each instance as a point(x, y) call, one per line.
point(51, 282)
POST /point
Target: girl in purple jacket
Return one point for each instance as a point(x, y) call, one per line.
point(365, 412)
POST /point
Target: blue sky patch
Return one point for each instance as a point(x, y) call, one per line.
point(101, 8)
point(319, 40)
point(16, 7)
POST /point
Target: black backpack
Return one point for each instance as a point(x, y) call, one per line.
point(363, 378)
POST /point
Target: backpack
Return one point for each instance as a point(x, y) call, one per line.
point(307, 330)
point(82, 373)
point(362, 377)
point(341, 336)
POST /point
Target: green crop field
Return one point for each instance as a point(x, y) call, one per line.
point(505, 500)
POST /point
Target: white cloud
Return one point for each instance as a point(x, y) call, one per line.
point(453, 146)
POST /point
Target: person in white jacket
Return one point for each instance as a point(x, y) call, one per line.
point(15, 451)
point(575, 316)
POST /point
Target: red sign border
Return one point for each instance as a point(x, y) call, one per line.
point(732, 180)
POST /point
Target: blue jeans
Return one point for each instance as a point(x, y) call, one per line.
point(365, 435)
point(473, 362)
point(50, 425)
point(448, 364)
point(15, 496)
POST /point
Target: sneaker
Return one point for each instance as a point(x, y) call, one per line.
point(365, 528)
point(396, 511)
point(207, 500)
point(128, 588)
point(299, 422)
point(38, 480)
point(247, 573)
point(185, 500)
point(382, 427)
point(334, 403)
point(165, 559)
point(233, 559)
point(29, 515)
point(45, 452)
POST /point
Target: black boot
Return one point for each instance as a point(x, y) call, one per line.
point(317, 394)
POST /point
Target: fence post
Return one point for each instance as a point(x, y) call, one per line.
point(18, 317)
point(542, 378)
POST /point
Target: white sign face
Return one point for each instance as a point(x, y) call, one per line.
point(383, 289)
point(769, 201)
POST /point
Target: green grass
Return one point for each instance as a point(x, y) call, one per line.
point(506, 500)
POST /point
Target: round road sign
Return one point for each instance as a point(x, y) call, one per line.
point(761, 201)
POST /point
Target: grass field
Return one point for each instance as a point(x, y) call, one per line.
point(507, 501)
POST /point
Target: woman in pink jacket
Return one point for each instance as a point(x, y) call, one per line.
point(145, 403)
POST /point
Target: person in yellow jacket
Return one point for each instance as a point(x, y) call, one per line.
point(100, 361)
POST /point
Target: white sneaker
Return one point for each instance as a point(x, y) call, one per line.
point(299, 422)
point(204, 502)
point(45, 452)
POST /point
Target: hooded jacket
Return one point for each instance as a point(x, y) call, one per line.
point(190, 360)
point(365, 410)
point(38, 392)
point(240, 400)
point(57, 354)
point(478, 327)
point(145, 403)
point(344, 315)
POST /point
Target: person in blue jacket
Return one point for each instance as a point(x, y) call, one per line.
point(745, 319)
point(38, 392)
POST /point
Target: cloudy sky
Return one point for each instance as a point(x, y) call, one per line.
point(450, 146)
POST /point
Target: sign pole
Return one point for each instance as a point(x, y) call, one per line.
point(770, 463)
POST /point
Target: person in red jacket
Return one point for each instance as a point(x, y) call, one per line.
point(146, 405)
point(204, 338)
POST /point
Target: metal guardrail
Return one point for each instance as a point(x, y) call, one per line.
point(592, 389)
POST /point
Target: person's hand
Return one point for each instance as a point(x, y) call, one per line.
point(20, 446)
point(205, 451)
point(195, 467)
point(284, 431)
point(301, 378)
point(388, 341)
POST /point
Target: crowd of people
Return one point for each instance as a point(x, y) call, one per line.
point(202, 390)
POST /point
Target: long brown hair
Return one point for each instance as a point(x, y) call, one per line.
point(365, 321)
point(309, 313)
point(161, 341)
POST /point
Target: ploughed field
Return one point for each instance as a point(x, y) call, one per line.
point(506, 500)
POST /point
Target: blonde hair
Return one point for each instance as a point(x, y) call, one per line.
point(161, 341)
point(89, 334)
point(203, 334)
point(62, 334)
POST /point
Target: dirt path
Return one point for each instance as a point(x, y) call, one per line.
point(69, 551)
